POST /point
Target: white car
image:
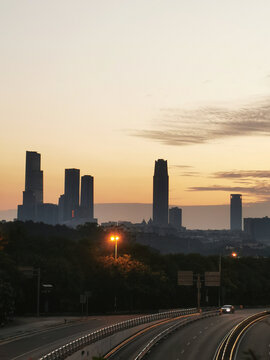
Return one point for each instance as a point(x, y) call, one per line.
point(227, 309)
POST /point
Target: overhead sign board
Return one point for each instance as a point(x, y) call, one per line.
point(185, 278)
point(28, 271)
point(212, 278)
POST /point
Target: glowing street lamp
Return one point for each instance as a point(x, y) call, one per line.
point(234, 254)
point(115, 238)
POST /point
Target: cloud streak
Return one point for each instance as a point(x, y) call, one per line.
point(259, 189)
point(202, 125)
point(242, 174)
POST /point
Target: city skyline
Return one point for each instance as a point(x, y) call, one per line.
point(147, 81)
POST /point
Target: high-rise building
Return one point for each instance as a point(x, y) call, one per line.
point(72, 190)
point(160, 193)
point(33, 193)
point(236, 212)
point(175, 217)
point(87, 197)
point(258, 229)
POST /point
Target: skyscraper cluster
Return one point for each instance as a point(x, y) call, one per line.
point(76, 205)
point(69, 210)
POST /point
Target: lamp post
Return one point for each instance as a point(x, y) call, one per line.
point(115, 238)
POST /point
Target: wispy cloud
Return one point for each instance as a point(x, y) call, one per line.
point(186, 170)
point(202, 125)
point(259, 189)
point(181, 166)
point(242, 174)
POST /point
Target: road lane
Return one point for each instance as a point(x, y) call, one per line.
point(256, 341)
point(141, 338)
point(35, 345)
point(197, 340)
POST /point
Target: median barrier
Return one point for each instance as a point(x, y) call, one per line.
point(74, 349)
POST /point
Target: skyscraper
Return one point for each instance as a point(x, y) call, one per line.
point(236, 212)
point(87, 197)
point(34, 176)
point(72, 190)
point(160, 193)
point(175, 217)
point(33, 193)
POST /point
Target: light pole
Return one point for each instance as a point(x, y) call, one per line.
point(115, 238)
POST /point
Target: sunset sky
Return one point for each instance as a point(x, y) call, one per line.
point(109, 86)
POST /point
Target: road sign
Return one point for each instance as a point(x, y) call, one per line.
point(212, 278)
point(28, 271)
point(83, 299)
point(185, 278)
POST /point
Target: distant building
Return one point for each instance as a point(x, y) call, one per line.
point(175, 217)
point(160, 194)
point(47, 213)
point(33, 193)
point(258, 229)
point(61, 209)
point(71, 196)
point(87, 197)
point(236, 212)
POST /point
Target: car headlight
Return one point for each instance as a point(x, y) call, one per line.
point(228, 310)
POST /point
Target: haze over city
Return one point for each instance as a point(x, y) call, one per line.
point(109, 87)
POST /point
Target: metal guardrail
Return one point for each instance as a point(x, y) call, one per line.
point(64, 351)
point(170, 329)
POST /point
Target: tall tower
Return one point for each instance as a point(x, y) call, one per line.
point(71, 196)
point(160, 193)
point(34, 176)
point(33, 193)
point(236, 212)
point(87, 197)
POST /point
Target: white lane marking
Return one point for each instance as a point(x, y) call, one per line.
point(182, 352)
point(194, 337)
point(201, 332)
point(188, 343)
point(206, 328)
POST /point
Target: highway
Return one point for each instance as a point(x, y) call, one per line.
point(198, 340)
point(35, 345)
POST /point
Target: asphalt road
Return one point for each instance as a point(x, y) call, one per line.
point(198, 340)
point(35, 345)
point(256, 340)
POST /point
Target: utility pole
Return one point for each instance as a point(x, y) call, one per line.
point(38, 290)
point(199, 291)
point(219, 288)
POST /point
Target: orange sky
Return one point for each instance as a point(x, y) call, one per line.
point(109, 87)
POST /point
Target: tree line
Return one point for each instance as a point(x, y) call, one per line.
point(76, 265)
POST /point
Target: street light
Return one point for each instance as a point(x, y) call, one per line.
point(234, 254)
point(115, 238)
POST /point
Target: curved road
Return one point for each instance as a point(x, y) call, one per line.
point(198, 340)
